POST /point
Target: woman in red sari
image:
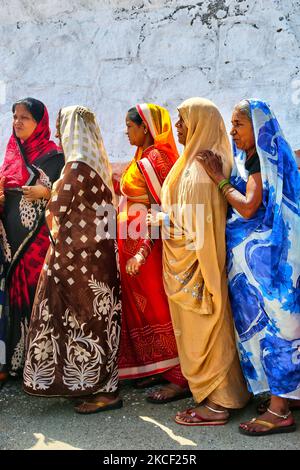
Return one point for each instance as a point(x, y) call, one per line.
point(31, 164)
point(148, 346)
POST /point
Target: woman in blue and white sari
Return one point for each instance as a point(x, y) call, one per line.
point(263, 256)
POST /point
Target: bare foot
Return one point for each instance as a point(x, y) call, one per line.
point(168, 393)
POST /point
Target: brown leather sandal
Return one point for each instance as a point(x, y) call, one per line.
point(97, 406)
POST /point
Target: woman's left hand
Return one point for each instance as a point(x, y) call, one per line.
point(212, 164)
point(32, 193)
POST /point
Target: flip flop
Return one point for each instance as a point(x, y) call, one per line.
point(101, 406)
point(201, 421)
point(273, 429)
point(178, 396)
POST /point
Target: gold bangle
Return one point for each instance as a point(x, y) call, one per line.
point(226, 188)
point(140, 257)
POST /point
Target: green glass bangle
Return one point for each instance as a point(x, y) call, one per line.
point(223, 183)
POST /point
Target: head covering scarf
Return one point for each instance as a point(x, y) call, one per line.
point(82, 141)
point(206, 131)
point(264, 263)
point(188, 187)
point(159, 124)
point(17, 153)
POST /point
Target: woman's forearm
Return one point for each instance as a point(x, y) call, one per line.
point(247, 208)
point(248, 204)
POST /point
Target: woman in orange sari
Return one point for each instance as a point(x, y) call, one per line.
point(148, 346)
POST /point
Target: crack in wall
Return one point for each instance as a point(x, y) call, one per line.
point(142, 38)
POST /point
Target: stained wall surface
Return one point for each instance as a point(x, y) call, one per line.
point(111, 54)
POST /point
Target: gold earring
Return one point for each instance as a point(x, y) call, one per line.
point(145, 131)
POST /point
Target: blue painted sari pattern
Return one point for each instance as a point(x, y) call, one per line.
point(263, 262)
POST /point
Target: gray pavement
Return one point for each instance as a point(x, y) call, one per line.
point(50, 423)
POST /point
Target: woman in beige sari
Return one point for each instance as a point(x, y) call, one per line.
point(195, 271)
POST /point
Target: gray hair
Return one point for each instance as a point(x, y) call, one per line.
point(244, 108)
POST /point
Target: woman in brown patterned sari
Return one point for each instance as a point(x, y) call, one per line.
point(74, 333)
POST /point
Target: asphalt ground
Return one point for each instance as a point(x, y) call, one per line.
point(28, 422)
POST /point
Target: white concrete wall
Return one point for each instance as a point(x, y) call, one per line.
point(111, 54)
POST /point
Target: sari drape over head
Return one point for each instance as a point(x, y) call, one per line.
point(19, 156)
point(147, 344)
point(24, 235)
point(76, 317)
point(194, 256)
point(155, 165)
point(264, 263)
